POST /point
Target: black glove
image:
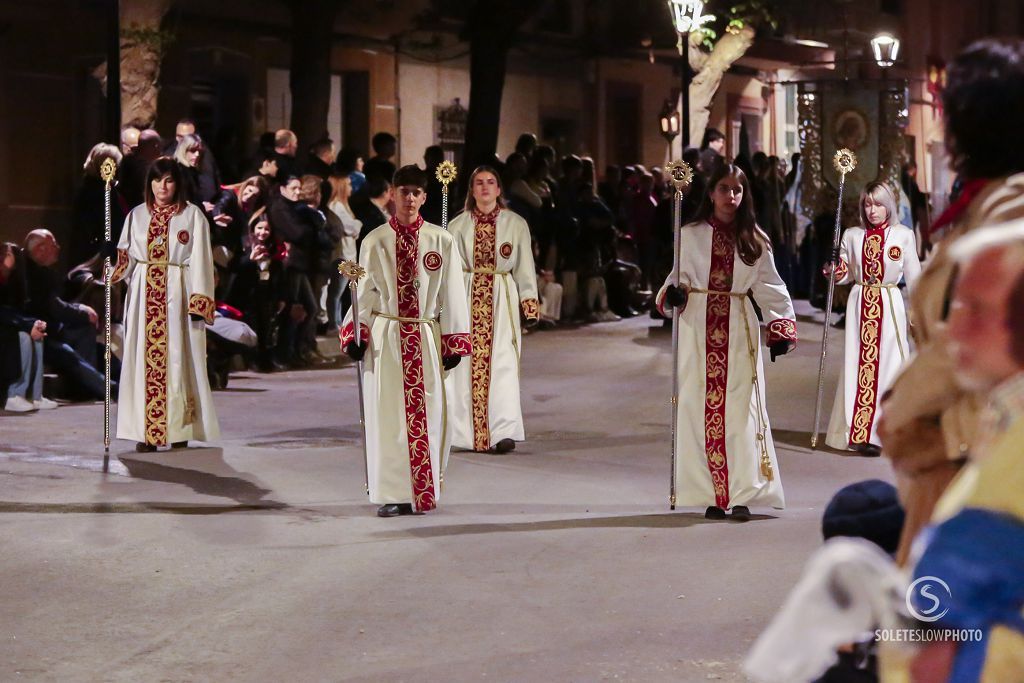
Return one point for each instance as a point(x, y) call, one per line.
point(780, 348)
point(196, 317)
point(356, 351)
point(676, 297)
point(449, 362)
point(108, 249)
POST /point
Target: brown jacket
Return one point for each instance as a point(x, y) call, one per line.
point(929, 420)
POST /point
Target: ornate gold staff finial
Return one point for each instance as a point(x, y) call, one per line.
point(107, 170)
point(845, 161)
point(446, 172)
point(680, 173)
point(352, 270)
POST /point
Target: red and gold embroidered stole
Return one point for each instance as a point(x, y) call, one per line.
point(870, 338)
point(482, 312)
point(411, 343)
point(155, 322)
point(723, 254)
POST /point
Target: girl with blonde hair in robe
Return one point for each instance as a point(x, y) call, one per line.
point(874, 257)
point(501, 283)
point(725, 454)
point(164, 255)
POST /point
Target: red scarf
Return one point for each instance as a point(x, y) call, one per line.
point(398, 226)
point(486, 218)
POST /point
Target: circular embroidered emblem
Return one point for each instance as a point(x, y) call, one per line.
point(895, 253)
point(432, 260)
point(183, 236)
point(506, 250)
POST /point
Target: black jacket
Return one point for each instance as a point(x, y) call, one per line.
point(43, 287)
point(372, 218)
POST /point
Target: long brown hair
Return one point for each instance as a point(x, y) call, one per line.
point(751, 240)
point(471, 200)
point(159, 168)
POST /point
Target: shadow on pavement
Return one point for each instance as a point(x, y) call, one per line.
point(802, 440)
point(233, 485)
point(674, 520)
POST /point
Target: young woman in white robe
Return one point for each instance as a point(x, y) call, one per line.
point(501, 281)
point(165, 256)
point(414, 327)
point(725, 457)
point(874, 256)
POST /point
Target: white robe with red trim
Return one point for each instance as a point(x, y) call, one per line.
point(718, 454)
point(409, 274)
point(164, 393)
point(877, 343)
point(484, 389)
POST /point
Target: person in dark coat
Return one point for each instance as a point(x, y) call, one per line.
point(88, 219)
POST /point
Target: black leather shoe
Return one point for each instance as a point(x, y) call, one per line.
point(504, 446)
point(179, 444)
point(741, 513)
point(391, 510)
point(141, 447)
point(869, 450)
point(714, 512)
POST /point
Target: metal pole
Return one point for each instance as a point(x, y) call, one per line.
point(681, 176)
point(845, 162)
point(107, 170)
point(684, 95)
point(354, 272)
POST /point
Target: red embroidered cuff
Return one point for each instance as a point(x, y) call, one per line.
point(531, 309)
point(456, 345)
point(200, 304)
point(782, 329)
point(348, 334)
point(121, 266)
point(842, 270)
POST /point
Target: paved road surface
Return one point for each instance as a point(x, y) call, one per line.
point(259, 559)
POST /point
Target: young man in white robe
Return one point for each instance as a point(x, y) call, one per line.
point(414, 328)
point(501, 282)
point(725, 457)
point(164, 253)
point(874, 256)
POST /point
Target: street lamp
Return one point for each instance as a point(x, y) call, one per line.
point(686, 17)
point(886, 49)
point(669, 121)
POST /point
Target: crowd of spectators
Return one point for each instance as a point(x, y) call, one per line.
point(278, 230)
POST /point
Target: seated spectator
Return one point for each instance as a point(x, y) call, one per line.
point(259, 290)
point(129, 139)
point(385, 146)
point(301, 227)
point(226, 337)
point(373, 212)
point(550, 299)
point(286, 145)
point(84, 285)
point(595, 243)
point(88, 221)
point(341, 193)
point(231, 212)
point(327, 251)
point(21, 346)
point(189, 154)
point(350, 163)
point(265, 166)
point(70, 343)
point(131, 174)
